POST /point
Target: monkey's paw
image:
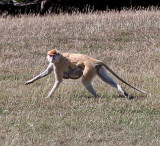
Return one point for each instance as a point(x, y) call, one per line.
point(28, 82)
point(47, 97)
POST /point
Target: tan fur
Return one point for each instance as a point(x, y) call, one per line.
point(63, 62)
point(78, 60)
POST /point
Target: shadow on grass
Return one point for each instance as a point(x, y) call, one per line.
point(131, 97)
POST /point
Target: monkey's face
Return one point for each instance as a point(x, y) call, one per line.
point(53, 58)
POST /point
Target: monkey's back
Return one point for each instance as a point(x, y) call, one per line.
point(80, 60)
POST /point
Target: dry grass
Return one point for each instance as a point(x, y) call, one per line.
point(129, 42)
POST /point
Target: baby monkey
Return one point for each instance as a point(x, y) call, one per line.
point(74, 66)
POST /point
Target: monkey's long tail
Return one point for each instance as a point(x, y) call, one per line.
point(122, 79)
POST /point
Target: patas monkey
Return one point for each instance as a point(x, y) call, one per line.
point(74, 66)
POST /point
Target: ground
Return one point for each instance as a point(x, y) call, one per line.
point(128, 42)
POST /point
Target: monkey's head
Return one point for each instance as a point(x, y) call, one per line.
point(53, 56)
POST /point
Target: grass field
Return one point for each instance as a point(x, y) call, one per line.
point(128, 42)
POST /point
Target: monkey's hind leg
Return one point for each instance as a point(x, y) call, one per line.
point(103, 74)
point(90, 88)
point(88, 75)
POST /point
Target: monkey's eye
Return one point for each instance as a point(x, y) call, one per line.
point(51, 55)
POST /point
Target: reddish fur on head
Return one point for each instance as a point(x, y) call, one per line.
point(52, 52)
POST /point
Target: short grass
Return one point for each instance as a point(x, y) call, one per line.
point(129, 42)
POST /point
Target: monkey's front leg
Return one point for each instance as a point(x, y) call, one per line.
point(55, 86)
point(43, 74)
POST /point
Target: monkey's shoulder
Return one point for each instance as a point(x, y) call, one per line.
point(73, 57)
